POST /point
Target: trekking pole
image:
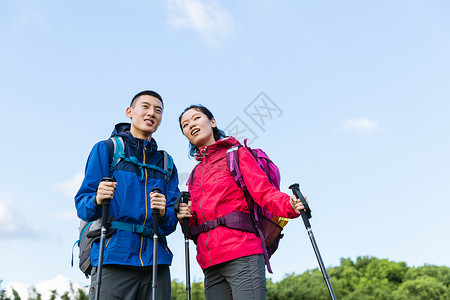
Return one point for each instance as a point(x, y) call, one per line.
point(105, 212)
point(184, 197)
point(306, 215)
point(155, 215)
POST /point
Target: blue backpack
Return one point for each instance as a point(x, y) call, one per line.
point(89, 232)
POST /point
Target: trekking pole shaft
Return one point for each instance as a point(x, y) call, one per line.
point(186, 250)
point(155, 215)
point(321, 264)
point(105, 213)
point(305, 219)
point(306, 215)
point(105, 207)
point(100, 263)
point(155, 265)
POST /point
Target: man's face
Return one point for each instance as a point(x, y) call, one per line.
point(145, 116)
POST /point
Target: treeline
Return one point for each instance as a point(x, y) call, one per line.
point(367, 278)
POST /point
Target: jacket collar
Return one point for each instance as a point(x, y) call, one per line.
point(123, 130)
point(224, 143)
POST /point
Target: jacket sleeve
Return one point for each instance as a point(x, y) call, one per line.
point(97, 167)
point(261, 190)
point(169, 222)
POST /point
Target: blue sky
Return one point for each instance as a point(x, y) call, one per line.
point(350, 98)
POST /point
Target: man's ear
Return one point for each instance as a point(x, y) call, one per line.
point(128, 112)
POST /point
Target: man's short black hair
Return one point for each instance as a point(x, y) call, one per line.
point(148, 93)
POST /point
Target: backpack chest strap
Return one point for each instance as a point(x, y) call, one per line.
point(234, 220)
point(119, 154)
point(138, 229)
point(134, 160)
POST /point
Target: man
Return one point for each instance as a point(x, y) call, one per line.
point(128, 256)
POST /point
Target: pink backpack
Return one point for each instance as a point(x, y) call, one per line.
point(260, 221)
point(268, 226)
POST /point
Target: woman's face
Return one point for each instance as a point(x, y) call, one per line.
point(198, 128)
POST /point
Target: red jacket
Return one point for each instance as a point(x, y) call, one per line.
point(214, 194)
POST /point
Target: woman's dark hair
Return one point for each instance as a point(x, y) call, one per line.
point(218, 134)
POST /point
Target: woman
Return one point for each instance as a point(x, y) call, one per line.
point(231, 260)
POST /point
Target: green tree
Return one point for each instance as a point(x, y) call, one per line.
point(179, 290)
point(198, 291)
point(423, 288)
point(53, 295)
point(81, 295)
point(15, 294)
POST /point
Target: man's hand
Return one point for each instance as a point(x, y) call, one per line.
point(105, 191)
point(158, 201)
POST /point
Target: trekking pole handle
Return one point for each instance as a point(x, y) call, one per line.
point(155, 212)
point(306, 213)
point(106, 202)
point(183, 197)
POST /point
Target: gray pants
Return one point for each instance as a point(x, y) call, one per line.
point(243, 278)
point(119, 282)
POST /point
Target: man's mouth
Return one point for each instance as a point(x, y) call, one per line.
point(149, 122)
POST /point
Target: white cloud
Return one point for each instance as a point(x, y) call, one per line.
point(211, 21)
point(70, 187)
point(361, 126)
point(60, 283)
point(8, 224)
point(12, 224)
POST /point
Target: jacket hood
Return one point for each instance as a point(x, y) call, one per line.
point(226, 142)
point(123, 130)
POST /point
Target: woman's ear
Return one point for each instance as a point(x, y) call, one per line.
point(213, 123)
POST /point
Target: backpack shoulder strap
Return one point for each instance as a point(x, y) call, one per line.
point(167, 165)
point(190, 180)
point(118, 153)
point(233, 165)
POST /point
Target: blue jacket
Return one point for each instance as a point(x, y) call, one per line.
point(131, 202)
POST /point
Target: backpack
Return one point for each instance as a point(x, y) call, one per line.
point(262, 222)
point(89, 232)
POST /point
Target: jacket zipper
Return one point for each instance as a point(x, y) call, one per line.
point(201, 210)
point(146, 206)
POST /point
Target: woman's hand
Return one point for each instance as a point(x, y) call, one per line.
point(297, 204)
point(184, 211)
